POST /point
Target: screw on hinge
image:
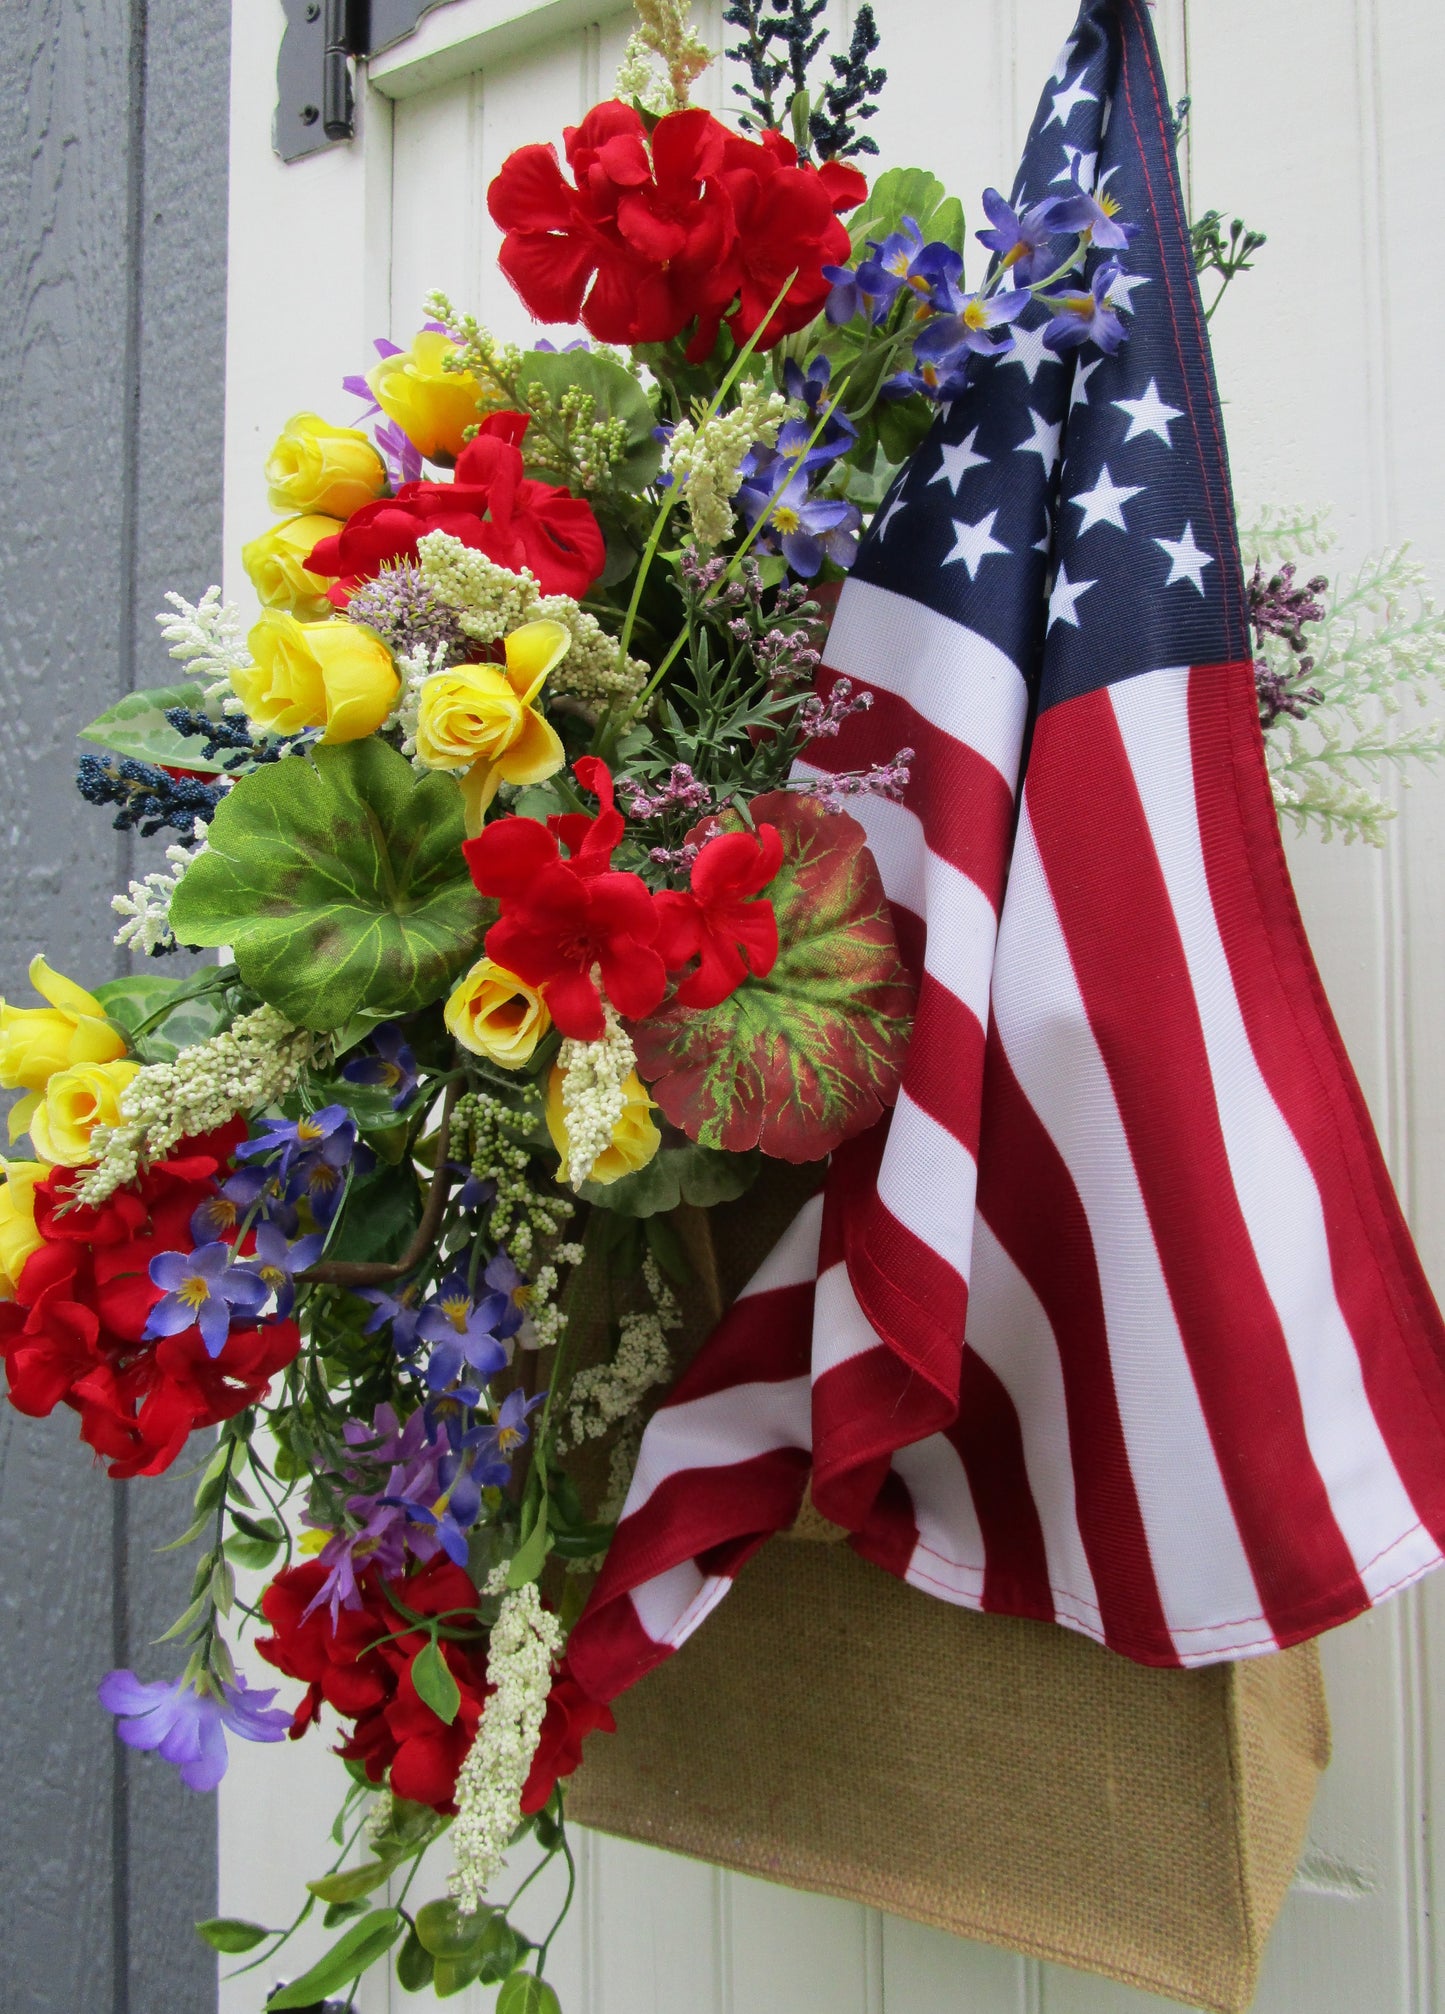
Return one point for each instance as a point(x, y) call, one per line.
point(310, 114)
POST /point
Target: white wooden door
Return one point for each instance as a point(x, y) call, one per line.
point(1321, 126)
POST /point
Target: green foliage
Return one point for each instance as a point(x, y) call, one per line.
point(137, 726)
point(676, 1174)
point(909, 192)
point(415, 1965)
point(1378, 661)
point(381, 1216)
point(799, 1061)
point(341, 884)
point(159, 1016)
point(1213, 255)
point(435, 1686)
point(349, 1884)
point(232, 1934)
point(524, 1993)
point(348, 1957)
point(446, 1930)
point(596, 404)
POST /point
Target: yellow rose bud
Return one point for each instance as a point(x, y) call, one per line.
point(35, 1042)
point(481, 718)
point(275, 564)
point(432, 406)
point(316, 467)
point(335, 675)
point(18, 1235)
point(495, 1014)
point(76, 1102)
point(635, 1139)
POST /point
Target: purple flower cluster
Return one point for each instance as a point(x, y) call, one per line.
point(777, 489)
point(681, 793)
point(1278, 608)
point(389, 1063)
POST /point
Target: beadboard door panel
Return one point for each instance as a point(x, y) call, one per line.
point(1326, 136)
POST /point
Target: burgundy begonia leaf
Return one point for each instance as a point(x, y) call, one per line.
point(799, 1061)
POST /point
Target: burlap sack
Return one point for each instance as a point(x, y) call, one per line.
point(833, 1729)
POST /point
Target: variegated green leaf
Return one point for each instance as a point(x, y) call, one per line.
point(799, 1061)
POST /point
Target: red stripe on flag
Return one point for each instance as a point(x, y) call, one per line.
point(1117, 921)
point(762, 1339)
point(863, 1410)
point(1028, 1200)
point(944, 1066)
point(914, 1299)
point(990, 1445)
point(965, 804)
point(891, 1533)
point(609, 1650)
point(1378, 1279)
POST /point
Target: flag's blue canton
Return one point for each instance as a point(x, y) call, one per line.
point(1076, 510)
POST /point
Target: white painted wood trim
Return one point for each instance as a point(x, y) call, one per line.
point(470, 34)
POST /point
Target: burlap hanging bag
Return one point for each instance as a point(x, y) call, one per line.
point(831, 1728)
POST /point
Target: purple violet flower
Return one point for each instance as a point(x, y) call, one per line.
point(329, 1133)
point(804, 528)
point(392, 1065)
point(276, 1263)
point(1021, 238)
point(903, 260)
point(1095, 218)
point(401, 1309)
point(402, 459)
point(970, 324)
point(1087, 316)
point(496, 1441)
point(201, 1288)
point(188, 1728)
point(356, 384)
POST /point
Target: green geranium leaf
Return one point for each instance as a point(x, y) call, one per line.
point(909, 192)
point(802, 1060)
point(414, 1964)
point(349, 1956)
point(435, 1686)
point(339, 880)
point(137, 726)
point(686, 1174)
point(232, 1933)
point(615, 394)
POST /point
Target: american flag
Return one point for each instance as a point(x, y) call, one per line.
point(1114, 1321)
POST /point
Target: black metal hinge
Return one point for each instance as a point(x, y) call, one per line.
point(315, 105)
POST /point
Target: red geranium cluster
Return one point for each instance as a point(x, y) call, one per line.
point(362, 1668)
point(491, 506)
point(74, 1334)
point(564, 917)
point(659, 229)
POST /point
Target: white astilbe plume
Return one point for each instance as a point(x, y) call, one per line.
point(416, 667)
point(705, 454)
point(1378, 661)
point(607, 1393)
point(207, 638)
point(526, 1641)
point(146, 907)
point(664, 56)
point(253, 1063)
point(594, 1093)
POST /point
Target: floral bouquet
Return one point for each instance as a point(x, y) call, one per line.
point(520, 815)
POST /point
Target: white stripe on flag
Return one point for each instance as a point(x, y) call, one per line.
point(841, 1330)
point(1008, 1328)
point(927, 1179)
point(718, 1431)
point(793, 1261)
point(948, 1556)
point(1272, 1179)
point(952, 676)
point(1039, 1015)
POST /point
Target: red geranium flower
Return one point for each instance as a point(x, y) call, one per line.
point(74, 1334)
point(492, 506)
point(723, 919)
point(658, 230)
point(560, 918)
point(361, 1666)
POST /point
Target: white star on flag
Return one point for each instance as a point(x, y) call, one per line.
point(972, 543)
point(1104, 503)
point(1067, 100)
point(1030, 350)
point(1149, 415)
point(886, 517)
point(1121, 293)
point(1044, 443)
point(957, 461)
point(1078, 167)
point(1079, 395)
point(1187, 561)
point(1066, 56)
point(1065, 593)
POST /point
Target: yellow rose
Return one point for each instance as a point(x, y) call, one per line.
point(432, 406)
point(76, 1102)
point(18, 1235)
point(335, 675)
point(35, 1042)
point(275, 563)
point(635, 1139)
point(495, 1014)
point(481, 718)
point(316, 467)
